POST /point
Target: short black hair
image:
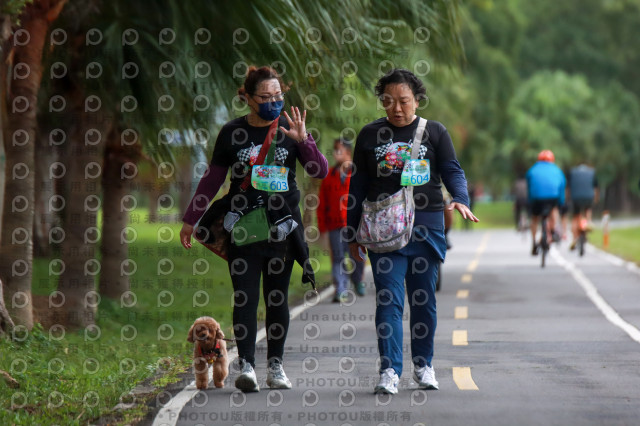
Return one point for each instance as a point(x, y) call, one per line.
point(400, 76)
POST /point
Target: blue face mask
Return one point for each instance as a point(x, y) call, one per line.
point(270, 110)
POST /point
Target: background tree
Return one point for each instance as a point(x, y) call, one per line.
point(513, 45)
point(550, 111)
point(19, 101)
point(168, 82)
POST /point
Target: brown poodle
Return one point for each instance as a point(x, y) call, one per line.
point(210, 348)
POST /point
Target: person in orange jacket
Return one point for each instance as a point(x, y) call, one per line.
point(332, 218)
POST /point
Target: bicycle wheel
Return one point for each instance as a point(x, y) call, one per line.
point(544, 245)
point(523, 226)
point(581, 243)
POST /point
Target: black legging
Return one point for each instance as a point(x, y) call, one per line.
point(245, 274)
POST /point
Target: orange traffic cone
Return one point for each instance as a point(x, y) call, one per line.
point(605, 229)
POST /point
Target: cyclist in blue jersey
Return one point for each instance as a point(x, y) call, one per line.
point(546, 185)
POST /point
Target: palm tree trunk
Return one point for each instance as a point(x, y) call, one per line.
point(82, 189)
point(114, 219)
point(44, 218)
point(2, 168)
point(16, 247)
point(5, 34)
point(6, 323)
point(16, 250)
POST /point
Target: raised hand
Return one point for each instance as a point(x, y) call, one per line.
point(297, 128)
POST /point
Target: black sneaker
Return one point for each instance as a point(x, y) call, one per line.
point(534, 250)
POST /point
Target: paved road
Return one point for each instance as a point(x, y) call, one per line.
point(515, 345)
point(623, 223)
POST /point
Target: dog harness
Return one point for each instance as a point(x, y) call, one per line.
point(212, 355)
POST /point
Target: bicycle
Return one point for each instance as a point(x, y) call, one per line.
point(582, 235)
point(544, 240)
point(523, 223)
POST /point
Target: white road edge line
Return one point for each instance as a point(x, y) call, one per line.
point(614, 259)
point(170, 412)
point(592, 293)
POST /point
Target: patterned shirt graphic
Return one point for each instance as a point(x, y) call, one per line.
point(250, 155)
point(236, 151)
point(380, 154)
point(392, 155)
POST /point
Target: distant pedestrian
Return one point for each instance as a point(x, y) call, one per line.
point(521, 202)
point(332, 219)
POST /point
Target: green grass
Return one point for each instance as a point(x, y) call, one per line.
point(497, 214)
point(623, 242)
point(77, 379)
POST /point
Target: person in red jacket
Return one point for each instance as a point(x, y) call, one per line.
point(332, 218)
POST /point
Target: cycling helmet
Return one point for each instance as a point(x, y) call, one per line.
point(546, 155)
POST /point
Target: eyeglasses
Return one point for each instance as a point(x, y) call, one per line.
point(271, 98)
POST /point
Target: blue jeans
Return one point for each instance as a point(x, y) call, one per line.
point(340, 270)
point(417, 263)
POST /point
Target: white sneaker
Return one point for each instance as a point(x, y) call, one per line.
point(247, 381)
point(388, 382)
point(425, 377)
point(276, 378)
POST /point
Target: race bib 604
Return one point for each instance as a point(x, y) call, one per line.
point(415, 172)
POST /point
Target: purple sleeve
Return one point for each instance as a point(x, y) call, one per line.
point(208, 187)
point(312, 160)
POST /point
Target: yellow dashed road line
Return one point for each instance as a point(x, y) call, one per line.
point(461, 312)
point(463, 379)
point(462, 294)
point(483, 244)
point(473, 265)
point(459, 338)
point(462, 375)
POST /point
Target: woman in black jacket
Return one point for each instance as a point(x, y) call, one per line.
point(237, 148)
